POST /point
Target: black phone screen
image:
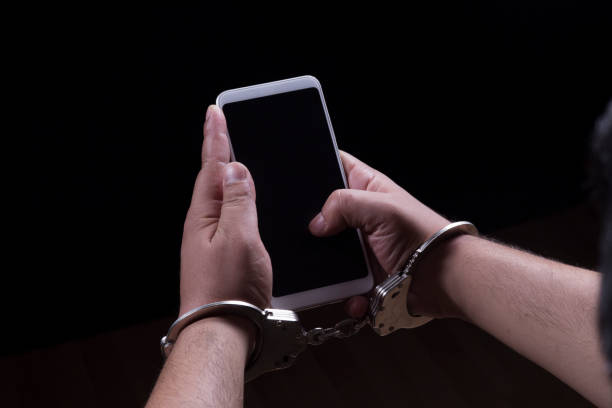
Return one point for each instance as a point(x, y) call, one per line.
point(285, 142)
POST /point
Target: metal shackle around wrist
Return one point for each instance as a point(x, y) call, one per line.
point(388, 309)
point(279, 339)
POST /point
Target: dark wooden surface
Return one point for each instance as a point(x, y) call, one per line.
point(445, 363)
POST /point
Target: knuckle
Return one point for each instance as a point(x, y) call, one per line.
point(238, 237)
point(238, 193)
point(376, 182)
point(193, 225)
point(340, 197)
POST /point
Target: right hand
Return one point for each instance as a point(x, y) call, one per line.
point(393, 222)
point(222, 255)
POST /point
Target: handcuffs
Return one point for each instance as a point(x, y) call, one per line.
point(281, 337)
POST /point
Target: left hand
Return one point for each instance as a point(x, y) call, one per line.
point(222, 255)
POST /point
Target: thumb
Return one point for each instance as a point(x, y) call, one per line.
point(238, 211)
point(349, 208)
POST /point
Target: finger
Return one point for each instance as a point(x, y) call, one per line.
point(356, 307)
point(238, 211)
point(349, 208)
point(360, 176)
point(208, 190)
point(216, 143)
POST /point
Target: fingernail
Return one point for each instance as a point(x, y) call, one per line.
point(318, 223)
point(234, 173)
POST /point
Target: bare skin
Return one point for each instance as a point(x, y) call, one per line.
point(543, 309)
point(222, 258)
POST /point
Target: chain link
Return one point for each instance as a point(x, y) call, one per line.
point(341, 330)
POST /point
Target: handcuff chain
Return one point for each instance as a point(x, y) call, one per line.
point(341, 330)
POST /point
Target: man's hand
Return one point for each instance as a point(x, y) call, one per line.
point(543, 309)
point(222, 256)
point(393, 221)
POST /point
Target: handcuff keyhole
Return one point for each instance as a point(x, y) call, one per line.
point(394, 295)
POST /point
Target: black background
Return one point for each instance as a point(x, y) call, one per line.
point(285, 142)
point(482, 110)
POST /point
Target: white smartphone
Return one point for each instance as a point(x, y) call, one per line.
point(282, 132)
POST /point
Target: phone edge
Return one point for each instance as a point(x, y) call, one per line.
point(272, 88)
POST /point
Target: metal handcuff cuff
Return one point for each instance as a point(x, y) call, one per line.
point(281, 337)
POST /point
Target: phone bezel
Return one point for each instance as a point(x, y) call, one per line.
point(326, 294)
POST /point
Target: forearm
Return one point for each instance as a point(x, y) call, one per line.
point(206, 366)
point(545, 310)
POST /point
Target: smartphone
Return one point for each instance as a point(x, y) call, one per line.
point(282, 132)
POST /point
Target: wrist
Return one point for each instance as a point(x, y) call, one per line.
point(227, 328)
point(438, 279)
